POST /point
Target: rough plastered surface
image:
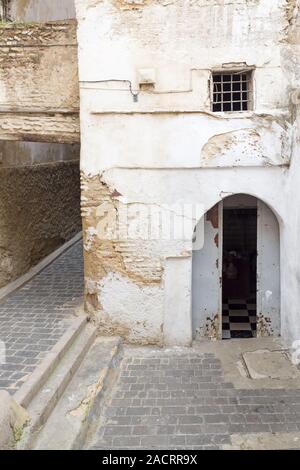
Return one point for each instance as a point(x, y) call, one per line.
point(121, 276)
point(161, 144)
point(39, 211)
point(39, 82)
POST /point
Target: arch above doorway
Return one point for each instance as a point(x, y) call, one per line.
point(236, 275)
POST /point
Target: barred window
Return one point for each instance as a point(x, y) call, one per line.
point(232, 91)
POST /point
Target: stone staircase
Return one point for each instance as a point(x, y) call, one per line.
point(62, 392)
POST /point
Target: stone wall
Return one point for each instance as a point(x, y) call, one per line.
point(39, 211)
point(39, 92)
point(39, 104)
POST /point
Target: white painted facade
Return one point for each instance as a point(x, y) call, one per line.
point(268, 271)
point(150, 139)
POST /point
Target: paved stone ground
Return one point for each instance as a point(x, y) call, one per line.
point(179, 400)
point(33, 318)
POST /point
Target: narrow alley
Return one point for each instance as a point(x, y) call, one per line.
point(34, 317)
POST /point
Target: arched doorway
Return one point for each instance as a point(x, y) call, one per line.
point(236, 275)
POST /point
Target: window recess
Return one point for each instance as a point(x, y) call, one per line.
point(232, 91)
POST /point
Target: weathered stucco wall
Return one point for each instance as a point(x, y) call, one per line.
point(161, 144)
point(39, 211)
point(177, 43)
point(48, 54)
point(290, 258)
point(39, 93)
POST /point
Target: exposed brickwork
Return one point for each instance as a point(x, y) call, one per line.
point(39, 34)
point(39, 73)
point(39, 127)
point(138, 259)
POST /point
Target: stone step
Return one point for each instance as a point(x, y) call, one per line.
point(54, 379)
point(37, 379)
point(69, 422)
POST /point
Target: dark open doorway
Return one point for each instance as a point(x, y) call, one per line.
point(239, 273)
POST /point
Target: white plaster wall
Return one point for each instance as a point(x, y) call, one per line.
point(167, 147)
point(290, 230)
point(290, 252)
point(177, 36)
point(200, 186)
point(182, 41)
point(205, 188)
point(181, 140)
point(177, 325)
point(206, 288)
point(268, 272)
point(131, 306)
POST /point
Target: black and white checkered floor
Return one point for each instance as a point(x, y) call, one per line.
point(239, 318)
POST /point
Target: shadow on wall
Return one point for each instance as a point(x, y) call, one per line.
point(39, 211)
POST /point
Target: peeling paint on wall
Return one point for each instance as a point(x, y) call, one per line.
point(168, 146)
point(238, 148)
point(132, 258)
point(212, 327)
point(213, 216)
point(264, 326)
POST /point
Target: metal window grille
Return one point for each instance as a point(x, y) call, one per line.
point(232, 91)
